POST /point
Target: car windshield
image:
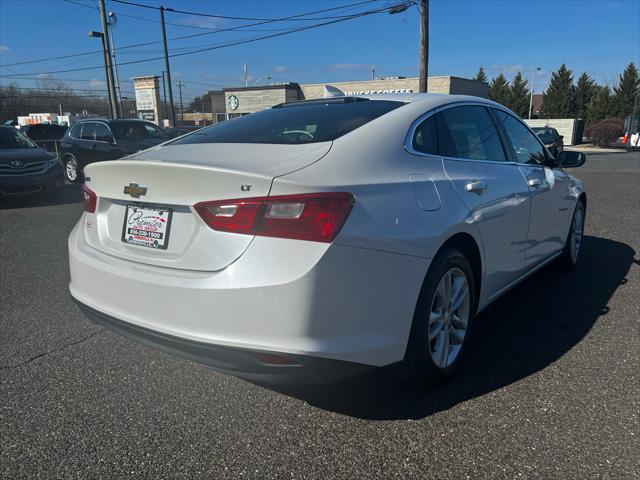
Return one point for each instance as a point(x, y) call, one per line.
point(131, 131)
point(544, 133)
point(10, 138)
point(296, 123)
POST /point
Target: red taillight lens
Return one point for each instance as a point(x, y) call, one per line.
point(314, 216)
point(89, 199)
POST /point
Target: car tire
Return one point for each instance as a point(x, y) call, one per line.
point(441, 323)
point(573, 244)
point(72, 170)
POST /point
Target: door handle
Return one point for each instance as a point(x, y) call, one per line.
point(534, 182)
point(92, 146)
point(476, 187)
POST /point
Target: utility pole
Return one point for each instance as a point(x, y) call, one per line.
point(373, 72)
point(166, 64)
point(533, 80)
point(113, 102)
point(164, 95)
point(424, 44)
point(180, 84)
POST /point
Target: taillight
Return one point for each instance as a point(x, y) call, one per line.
point(89, 199)
point(313, 216)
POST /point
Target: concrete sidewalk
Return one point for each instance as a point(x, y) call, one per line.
point(590, 148)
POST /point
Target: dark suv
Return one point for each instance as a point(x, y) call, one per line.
point(551, 139)
point(97, 140)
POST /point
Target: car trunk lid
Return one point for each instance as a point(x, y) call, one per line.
point(173, 179)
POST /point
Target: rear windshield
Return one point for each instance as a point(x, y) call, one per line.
point(543, 132)
point(131, 131)
point(10, 139)
point(296, 123)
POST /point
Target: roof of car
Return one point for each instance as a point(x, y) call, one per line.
point(103, 119)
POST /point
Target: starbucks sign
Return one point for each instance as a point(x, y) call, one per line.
point(232, 102)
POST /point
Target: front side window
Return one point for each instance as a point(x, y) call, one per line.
point(124, 130)
point(425, 138)
point(469, 132)
point(296, 123)
point(89, 131)
point(526, 147)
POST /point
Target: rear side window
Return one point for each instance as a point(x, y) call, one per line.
point(469, 132)
point(103, 134)
point(312, 122)
point(425, 138)
point(75, 131)
point(526, 147)
point(89, 131)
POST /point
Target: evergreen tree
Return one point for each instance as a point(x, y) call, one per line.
point(585, 89)
point(601, 105)
point(628, 84)
point(558, 101)
point(519, 96)
point(481, 76)
point(499, 90)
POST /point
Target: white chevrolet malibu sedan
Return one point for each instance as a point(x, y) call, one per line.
point(315, 239)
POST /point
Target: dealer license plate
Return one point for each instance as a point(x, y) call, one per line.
point(147, 226)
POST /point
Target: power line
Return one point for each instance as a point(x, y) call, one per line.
point(235, 43)
point(228, 17)
point(213, 31)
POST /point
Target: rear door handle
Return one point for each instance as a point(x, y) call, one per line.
point(476, 187)
point(534, 182)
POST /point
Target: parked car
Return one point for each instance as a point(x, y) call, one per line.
point(372, 239)
point(551, 139)
point(179, 131)
point(25, 168)
point(97, 140)
point(44, 131)
point(46, 136)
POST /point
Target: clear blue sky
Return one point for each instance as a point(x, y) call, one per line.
point(597, 36)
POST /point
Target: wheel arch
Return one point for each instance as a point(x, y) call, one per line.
point(583, 198)
point(469, 247)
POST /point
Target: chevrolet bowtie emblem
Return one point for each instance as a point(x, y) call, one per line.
point(135, 190)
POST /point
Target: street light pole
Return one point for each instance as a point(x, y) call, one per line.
point(113, 20)
point(424, 45)
point(166, 64)
point(113, 104)
point(533, 83)
point(262, 78)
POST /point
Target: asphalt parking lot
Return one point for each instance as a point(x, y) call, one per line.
point(550, 389)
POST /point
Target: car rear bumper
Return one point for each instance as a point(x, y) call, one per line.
point(31, 184)
point(301, 299)
point(254, 365)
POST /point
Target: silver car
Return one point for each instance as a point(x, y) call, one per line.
point(315, 239)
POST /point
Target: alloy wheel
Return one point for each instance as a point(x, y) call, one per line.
point(449, 318)
point(71, 170)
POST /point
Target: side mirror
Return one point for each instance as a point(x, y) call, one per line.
point(568, 159)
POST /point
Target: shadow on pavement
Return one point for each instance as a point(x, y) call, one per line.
point(523, 332)
point(70, 193)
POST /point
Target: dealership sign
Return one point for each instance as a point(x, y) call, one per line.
point(147, 98)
